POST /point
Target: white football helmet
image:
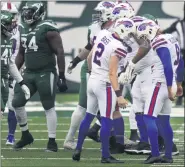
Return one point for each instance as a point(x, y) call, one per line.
point(124, 27)
point(104, 9)
point(147, 29)
point(10, 7)
point(122, 10)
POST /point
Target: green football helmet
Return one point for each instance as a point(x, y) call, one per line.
point(8, 23)
point(32, 12)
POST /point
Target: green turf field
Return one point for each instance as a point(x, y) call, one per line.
point(35, 156)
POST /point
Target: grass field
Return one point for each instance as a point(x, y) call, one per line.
point(34, 155)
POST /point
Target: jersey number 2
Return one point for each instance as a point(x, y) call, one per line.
point(176, 62)
point(98, 54)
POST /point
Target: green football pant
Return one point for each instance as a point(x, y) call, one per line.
point(4, 93)
point(43, 82)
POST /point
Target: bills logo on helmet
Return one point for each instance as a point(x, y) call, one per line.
point(108, 5)
point(127, 24)
point(118, 9)
point(143, 26)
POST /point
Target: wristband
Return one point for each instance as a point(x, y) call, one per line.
point(76, 61)
point(61, 75)
point(21, 83)
point(118, 93)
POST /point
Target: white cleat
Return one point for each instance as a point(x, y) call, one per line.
point(8, 143)
point(128, 142)
point(70, 145)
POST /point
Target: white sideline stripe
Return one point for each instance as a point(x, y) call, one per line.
point(44, 131)
point(176, 112)
point(44, 124)
point(175, 140)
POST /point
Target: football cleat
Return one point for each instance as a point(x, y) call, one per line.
point(76, 155)
point(52, 146)
point(140, 148)
point(70, 145)
point(151, 160)
point(94, 136)
point(117, 149)
point(25, 140)
point(166, 160)
point(174, 150)
point(10, 140)
point(110, 160)
point(134, 136)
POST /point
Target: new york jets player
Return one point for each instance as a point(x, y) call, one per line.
point(40, 42)
point(104, 9)
point(12, 121)
point(8, 23)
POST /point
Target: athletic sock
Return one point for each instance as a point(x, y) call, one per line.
point(84, 127)
point(119, 129)
point(106, 125)
point(51, 118)
point(167, 134)
point(160, 138)
point(142, 127)
point(12, 122)
point(76, 118)
point(152, 134)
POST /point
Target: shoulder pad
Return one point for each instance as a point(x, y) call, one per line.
point(49, 23)
point(159, 41)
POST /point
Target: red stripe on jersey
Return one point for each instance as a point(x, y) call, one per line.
point(119, 49)
point(9, 6)
point(157, 45)
point(160, 40)
point(120, 53)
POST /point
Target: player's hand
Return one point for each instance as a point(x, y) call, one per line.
point(62, 86)
point(129, 71)
point(26, 91)
point(70, 67)
point(122, 79)
point(10, 82)
point(122, 102)
point(171, 95)
point(179, 91)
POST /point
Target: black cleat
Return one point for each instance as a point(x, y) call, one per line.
point(174, 150)
point(111, 160)
point(140, 148)
point(151, 160)
point(94, 136)
point(134, 135)
point(117, 149)
point(76, 155)
point(25, 140)
point(112, 142)
point(52, 146)
point(166, 160)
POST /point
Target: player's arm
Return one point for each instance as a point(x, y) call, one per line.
point(89, 60)
point(19, 60)
point(55, 42)
point(165, 57)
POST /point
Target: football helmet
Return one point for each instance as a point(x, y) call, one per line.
point(124, 27)
point(7, 23)
point(147, 29)
point(33, 11)
point(122, 10)
point(104, 10)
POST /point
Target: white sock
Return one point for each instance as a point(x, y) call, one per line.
point(76, 118)
point(21, 116)
point(132, 120)
point(51, 118)
point(98, 122)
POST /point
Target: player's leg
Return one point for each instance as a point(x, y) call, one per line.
point(18, 103)
point(12, 120)
point(78, 114)
point(153, 106)
point(4, 90)
point(46, 83)
point(92, 108)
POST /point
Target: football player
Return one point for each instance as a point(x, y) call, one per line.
point(167, 77)
point(40, 42)
point(103, 89)
point(12, 121)
point(8, 23)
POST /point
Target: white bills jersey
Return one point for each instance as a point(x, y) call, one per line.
point(94, 28)
point(169, 42)
point(106, 45)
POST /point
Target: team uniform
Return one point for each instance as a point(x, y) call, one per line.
point(40, 73)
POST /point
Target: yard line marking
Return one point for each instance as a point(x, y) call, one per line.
point(166, 165)
point(44, 131)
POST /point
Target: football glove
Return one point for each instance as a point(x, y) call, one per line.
point(62, 86)
point(25, 89)
point(129, 71)
point(10, 82)
point(73, 64)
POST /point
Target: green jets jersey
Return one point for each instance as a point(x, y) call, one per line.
point(38, 54)
point(6, 49)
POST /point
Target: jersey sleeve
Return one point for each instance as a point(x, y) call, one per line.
point(159, 43)
point(49, 26)
point(119, 51)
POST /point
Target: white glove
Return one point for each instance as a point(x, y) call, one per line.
point(70, 68)
point(122, 78)
point(26, 91)
point(129, 71)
